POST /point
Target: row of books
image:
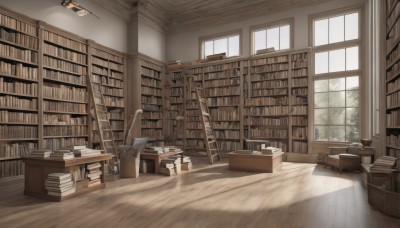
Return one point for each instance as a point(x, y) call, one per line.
point(269, 92)
point(269, 76)
point(151, 124)
point(222, 91)
point(269, 133)
point(300, 82)
point(227, 73)
point(299, 120)
point(300, 132)
point(151, 91)
point(151, 108)
point(19, 70)
point(18, 132)
point(300, 147)
point(299, 100)
point(303, 72)
point(392, 70)
point(268, 111)
point(114, 101)
point(150, 73)
point(11, 86)
point(267, 121)
point(152, 100)
point(393, 55)
point(269, 84)
point(11, 168)
point(25, 55)
point(227, 134)
point(64, 53)
point(116, 75)
point(300, 64)
point(300, 57)
point(151, 82)
point(176, 91)
point(63, 41)
point(270, 60)
point(64, 77)
point(65, 130)
point(152, 133)
point(106, 55)
point(222, 82)
point(117, 125)
point(63, 65)
point(18, 25)
point(300, 91)
point(225, 114)
point(64, 119)
point(393, 85)
point(58, 143)
point(16, 149)
point(64, 92)
point(224, 101)
point(176, 75)
point(152, 115)
point(99, 70)
point(16, 102)
point(112, 91)
point(267, 101)
point(393, 140)
point(391, 39)
point(299, 110)
point(219, 67)
point(270, 68)
point(228, 145)
point(64, 107)
point(18, 117)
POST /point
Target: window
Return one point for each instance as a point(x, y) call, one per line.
point(276, 35)
point(229, 44)
point(337, 73)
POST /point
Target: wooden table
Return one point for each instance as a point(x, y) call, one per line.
point(37, 169)
point(158, 157)
point(244, 160)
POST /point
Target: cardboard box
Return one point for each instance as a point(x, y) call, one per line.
point(186, 166)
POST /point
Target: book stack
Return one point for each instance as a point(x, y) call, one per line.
point(384, 164)
point(62, 154)
point(186, 163)
point(270, 150)
point(43, 153)
point(59, 184)
point(154, 150)
point(94, 173)
point(85, 152)
point(171, 165)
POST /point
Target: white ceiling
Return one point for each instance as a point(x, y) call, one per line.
point(179, 15)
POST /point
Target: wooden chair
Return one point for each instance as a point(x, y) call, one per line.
point(344, 158)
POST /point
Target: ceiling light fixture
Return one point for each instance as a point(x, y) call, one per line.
point(77, 8)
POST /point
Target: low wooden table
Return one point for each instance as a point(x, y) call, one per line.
point(244, 160)
point(157, 158)
point(37, 169)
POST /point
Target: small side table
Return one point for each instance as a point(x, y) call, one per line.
point(368, 152)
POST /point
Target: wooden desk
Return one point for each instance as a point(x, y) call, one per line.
point(157, 158)
point(37, 169)
point(243, 160)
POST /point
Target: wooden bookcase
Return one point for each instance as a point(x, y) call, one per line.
point(152, 83)
point(44, 100)
point(392, 78)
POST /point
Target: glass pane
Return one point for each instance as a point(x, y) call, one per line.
point(352, 116)
point(337, 133)
point(321, 100)
point(321, 116)
point(351, 26)
point(221, 46)
point(260, 40)
point(321, 32)
point(337, 60)
point(273, 38)
point(321, 62)
point(336, 29)
point(352, 58)
point(321, 86)
point(208, 48)
point(352, 134)
point(337, 84)
point(337, 99)
point(233, 46)
point(352, 83)
point(321, 133)
point(285, 37)
point(337, 116)
point(352, 98)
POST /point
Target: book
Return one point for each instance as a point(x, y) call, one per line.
point(62, 194)
point(59, 176)
point(94, 182)
point(93, 166)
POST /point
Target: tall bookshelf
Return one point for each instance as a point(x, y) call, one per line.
point(152, 83)
point(107, 70)
point(175, 107)
point(19, 88)
point(299, 83)
point(64, 91)
point(392, 78)
point(267, 105)
point(223, 85)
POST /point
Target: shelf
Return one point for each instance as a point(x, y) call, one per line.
point(65, 47)
point(389, 28)
point(391, 10)
point(19, 95)
point(65, 136)
point(61, 70)
point(19, 46)
point(65, 60)
point(10, 158)
point(61, 112)
point(15, 30)
point(62, 100)
point(65, 125)
point(17, 77)
point(7, 58)
point(18, 123)
point(65, 82)
point(19, 109)
point(21, 139)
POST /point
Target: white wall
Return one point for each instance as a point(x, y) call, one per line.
point(151, 41)
point(110, 31)
point(185, 46)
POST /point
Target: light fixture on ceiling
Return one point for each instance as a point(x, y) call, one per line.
point(77, 8)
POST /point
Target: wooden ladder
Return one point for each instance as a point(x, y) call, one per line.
point(210, 140)
point(104, 126)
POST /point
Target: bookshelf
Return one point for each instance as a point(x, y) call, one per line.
point(107, 68)
point(152, 83)
point(392, 87)
point(299, 83)
point(19, 88)
point(175, 107)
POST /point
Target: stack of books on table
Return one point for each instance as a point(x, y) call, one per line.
point(384, 164)
point(59, 184)
point(270, 150)
point(171, 165)
point(62, 154)
point(94, 173)
point(186, 163)
point(174, 149)
point(154, 150)
point(43, 153)
point(82, 151)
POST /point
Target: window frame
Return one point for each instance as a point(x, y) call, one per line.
point(217, 36)
point(270, 25)
point(331, 47)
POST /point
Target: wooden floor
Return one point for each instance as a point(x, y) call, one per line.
point(300, 195)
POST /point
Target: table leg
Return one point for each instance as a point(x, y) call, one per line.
point(157, 165)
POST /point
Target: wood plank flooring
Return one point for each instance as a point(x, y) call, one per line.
point(300, 195)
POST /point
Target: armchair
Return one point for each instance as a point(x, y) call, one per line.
point(344, 158)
